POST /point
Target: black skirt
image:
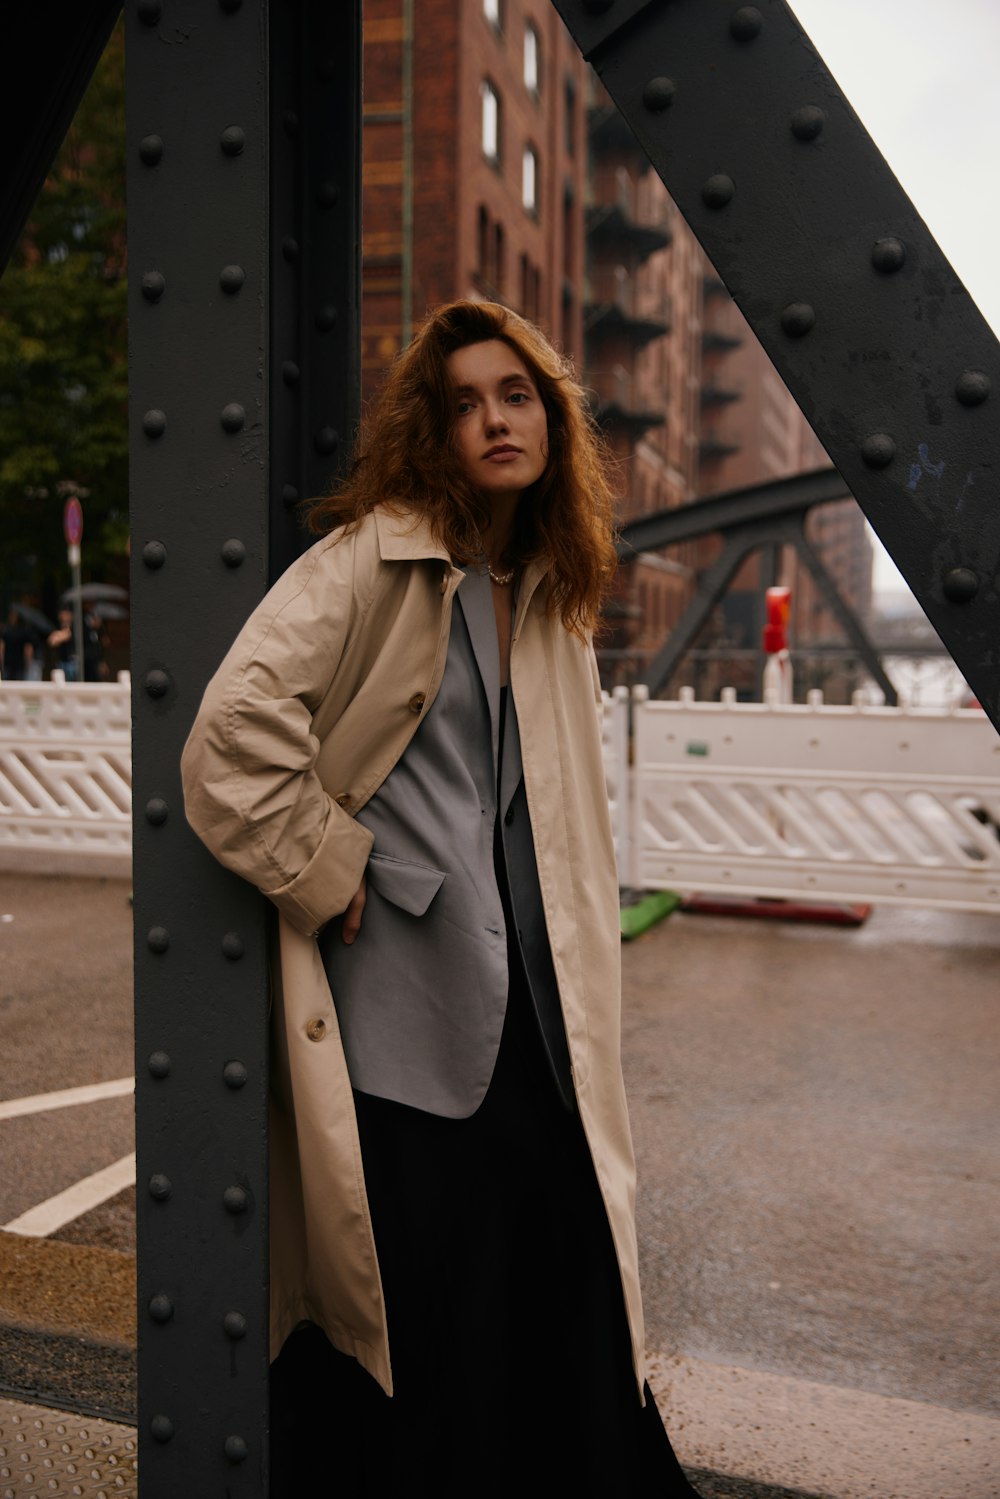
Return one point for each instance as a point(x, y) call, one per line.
point(510, 1348)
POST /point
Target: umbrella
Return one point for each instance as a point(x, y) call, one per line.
point(110, 611)
point(35, 618)
point(91, 593)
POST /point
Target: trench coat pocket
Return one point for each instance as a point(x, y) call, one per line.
point(405, 884)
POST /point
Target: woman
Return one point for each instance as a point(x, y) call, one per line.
point(402, 750)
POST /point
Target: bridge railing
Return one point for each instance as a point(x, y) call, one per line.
point(66, 777)
point(813, 801)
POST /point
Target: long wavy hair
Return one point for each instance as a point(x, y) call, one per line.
point(405, 457)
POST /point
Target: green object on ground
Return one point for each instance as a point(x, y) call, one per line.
point(646, 912)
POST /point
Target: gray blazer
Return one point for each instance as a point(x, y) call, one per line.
point(421, 994)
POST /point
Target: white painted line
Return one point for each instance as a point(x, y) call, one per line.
point(823, 1439)
point(78, 1199)
point(66, 1098)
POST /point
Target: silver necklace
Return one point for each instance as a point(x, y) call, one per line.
point(500, 579)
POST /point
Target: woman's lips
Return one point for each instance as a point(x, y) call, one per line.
point(502, 455)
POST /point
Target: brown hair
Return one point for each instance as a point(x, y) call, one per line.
point(405, 457)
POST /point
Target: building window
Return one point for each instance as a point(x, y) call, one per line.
point(491, 121)
point(493, 11)
point(570, 117)
point(531, 289)
point(531, 55)
point(529, 179)
point(483, 241)
point(499, 257)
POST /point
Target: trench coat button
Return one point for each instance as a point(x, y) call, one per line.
point(444, 582)
point(343, 798)
point(417, 702)
point(316, 1028)
point(509, 816)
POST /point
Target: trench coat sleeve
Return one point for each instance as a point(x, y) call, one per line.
point(251, 791)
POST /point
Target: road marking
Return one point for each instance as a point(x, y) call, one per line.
point(822, 1438)
point(55, 1212)
point(65, 1098)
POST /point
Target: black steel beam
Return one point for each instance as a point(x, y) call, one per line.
point(864, 318)
point(46, 63)
point(243, 389)
point(724, 512)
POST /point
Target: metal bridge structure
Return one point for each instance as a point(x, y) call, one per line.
point(244, 234)
point(763, 515)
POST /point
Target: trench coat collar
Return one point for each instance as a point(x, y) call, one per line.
point(406, 535)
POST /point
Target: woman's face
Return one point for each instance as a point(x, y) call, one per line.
point(500, 427)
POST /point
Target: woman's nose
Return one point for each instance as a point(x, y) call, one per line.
point(496, 420)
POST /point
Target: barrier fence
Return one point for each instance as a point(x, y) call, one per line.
point(785, 801)
point(66, 777)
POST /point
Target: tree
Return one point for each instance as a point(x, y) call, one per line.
point(63, 352)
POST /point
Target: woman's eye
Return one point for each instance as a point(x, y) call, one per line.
point(464, 407)
point(519, 396)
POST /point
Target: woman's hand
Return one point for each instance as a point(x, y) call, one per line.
point(352, 916)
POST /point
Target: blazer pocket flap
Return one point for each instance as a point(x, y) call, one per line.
point(409, 886)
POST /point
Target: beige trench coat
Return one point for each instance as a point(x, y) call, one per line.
point(310, 710)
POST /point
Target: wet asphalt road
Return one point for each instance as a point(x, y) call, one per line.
point(816, 1120)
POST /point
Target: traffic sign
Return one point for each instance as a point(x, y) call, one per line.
point(73, 522)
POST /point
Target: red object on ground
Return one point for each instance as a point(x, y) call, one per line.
point(778, 602)
point(777, 910)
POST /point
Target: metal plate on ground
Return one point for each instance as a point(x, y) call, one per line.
point(58, 1453)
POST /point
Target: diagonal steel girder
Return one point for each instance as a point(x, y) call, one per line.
point(740, 541)
point(840, 279)
point(736, 508)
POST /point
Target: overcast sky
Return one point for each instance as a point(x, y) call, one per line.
point(922, 76)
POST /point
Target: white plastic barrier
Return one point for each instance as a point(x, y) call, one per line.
point(66, 777)
point(816, 802)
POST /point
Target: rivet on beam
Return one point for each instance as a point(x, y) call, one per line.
point(160, 1187)
point(233, 417)
point(234, 1325)
point(154, 554)
point(149, 12)
point(157, 682)
point(232, 140)
point(289, 496)
point(151, 150)
point(159, 1064)
point(233, 552)
point(658, 94)
point(156, 811)
point(972, 387)
point(234, 1074)
point(808, 122)
point(161, 1308)
point(162, 1428)
point(158, 939)
point(231, 279)
point(798, 319)
point(153, 286)
point(236, 1449)
point(326, 441)
point(232, 946)
point(326, 319)
point(718, 191)
point(154, 423)
point(746, 23)
point(290, 372)
point(960, 585)
point(888, 254)
point(878, 450)
point(236, 1200)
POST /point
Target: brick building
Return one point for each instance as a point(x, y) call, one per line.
point(475, 163)
point(495, 166)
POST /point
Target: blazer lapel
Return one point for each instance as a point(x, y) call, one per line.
point(476, 602)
